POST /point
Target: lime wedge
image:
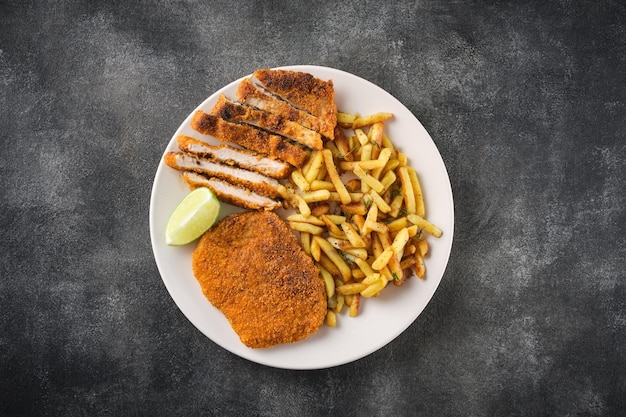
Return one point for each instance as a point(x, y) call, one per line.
point(195, 214)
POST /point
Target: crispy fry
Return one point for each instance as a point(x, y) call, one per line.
point(354, 121)
point(354, 305)
point(299, 180)
point(316, 196)
point(329, 282)
point(306, 227)
point(425, 225)
point(407, 189)
point(420, 209)
point(335, 178)
point(353, 288)
point(317, 161)
point(302, 219)
point(353, 237)
point(334, 256)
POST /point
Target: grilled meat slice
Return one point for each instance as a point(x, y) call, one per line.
point(234, 156)
point(253, 95)
point(249, 137)
point(232, 111)
point(230, 193)
point(251, 180)
point(251, 267)
point(303, 90)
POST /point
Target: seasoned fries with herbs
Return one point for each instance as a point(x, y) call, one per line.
point(360, 213)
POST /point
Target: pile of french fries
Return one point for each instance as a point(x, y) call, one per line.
point(360, 213)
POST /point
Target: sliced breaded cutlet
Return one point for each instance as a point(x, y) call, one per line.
point(255, 96)
point(302, 90)
point(250, 180)
point(230, 193)
point(242, 158)
point(274, 123)
point(249, 137)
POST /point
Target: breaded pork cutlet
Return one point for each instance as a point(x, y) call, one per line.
point(229, 155)
point(251, 267)
point(249, 137)
point(250, 180)
point(253, 95)
point(302, 90)
point(231, 193)
point(237, 112)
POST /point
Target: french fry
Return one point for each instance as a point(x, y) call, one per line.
point(334, 256)
point(372, 278)
point(401, 239)
point(423, 247)
point(302, 205)
point(368, 179)
point(321, 185)
point(316, 196)
point(419, 267)
point(354, 120)
point(376, 133)
point(364, 266)
point(333, 229)
point(316, 251)
point(425, 225)
point(366, 165)
point(299, 180)
point(319, 209)
point(407, 189)
point(305, 242)
point(420, 209)
point(353, 288)
point(306, 228)
point(335, 178)
point(316, 164)
point(373, 289)
point(329, 282)
point(379, 201)
point(353, 237)
point(354, 305)
point(331, 318)
point(302, 219)
point(382, 260)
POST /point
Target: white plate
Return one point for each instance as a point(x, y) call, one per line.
point(382, 319)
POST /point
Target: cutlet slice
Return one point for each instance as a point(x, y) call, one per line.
point(303, 90)
point(251, 180)
point(237, 112)
point(249, 137)
point(230, 193)
point(253, 95)
point(234, 156)
point(251, 267)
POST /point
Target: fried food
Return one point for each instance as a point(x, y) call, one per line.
point(254, 95)
point(251, 267)
point(230, 193)
point(249, 137)
point(251, 180)
point(229, 155)
point(302, 90)
point(274, 123)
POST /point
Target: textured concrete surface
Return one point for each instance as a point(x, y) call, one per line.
point(526, 101)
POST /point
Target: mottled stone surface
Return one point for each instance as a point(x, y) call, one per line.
point(526, 101)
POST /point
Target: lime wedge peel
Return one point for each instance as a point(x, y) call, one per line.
point(193, 216)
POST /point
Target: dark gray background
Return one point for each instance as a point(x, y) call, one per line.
point(525, 101)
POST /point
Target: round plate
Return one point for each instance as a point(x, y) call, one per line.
point(381, 319)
